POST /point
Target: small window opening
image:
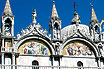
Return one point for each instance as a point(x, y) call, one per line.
point(8, 22)
point(80, 65)
point(56, 25)
point(35, 64)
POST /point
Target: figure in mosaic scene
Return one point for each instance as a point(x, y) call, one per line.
point(32, 47)
point(77, 49)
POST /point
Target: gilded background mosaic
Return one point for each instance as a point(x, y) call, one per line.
point(77, 49)
point(34, 47)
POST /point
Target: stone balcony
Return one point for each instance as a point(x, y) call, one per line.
point(44, 67)
point(8, 49)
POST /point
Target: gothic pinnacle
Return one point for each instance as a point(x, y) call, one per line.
point(7, 9)
point(54, 11)
point(93, 15)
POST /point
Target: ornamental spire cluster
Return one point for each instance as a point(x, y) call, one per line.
point(76, 19)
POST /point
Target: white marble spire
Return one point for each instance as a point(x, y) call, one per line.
point(7, 9)
point(93, 15)
point(54, 11)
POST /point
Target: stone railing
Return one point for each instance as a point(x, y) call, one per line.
point(44, 67)
point(7, 49)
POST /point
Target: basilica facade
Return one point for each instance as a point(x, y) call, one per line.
point(76, 45)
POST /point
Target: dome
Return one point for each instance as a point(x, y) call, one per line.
point(71, 29)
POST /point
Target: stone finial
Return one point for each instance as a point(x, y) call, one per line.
point(23, 32)
point(38, 26)
point(34, 16)
point(18, 36)
point(26, 30)
point(41, 30)
point(45, 32)
point(30, 27)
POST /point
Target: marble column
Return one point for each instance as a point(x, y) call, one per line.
point(99, 61)
point(2, 58)
point(12, 30)
point(2, 45)
point(13, 60)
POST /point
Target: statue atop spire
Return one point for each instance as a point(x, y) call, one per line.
point(54, 11)
point(76, 19)
point(7, 9)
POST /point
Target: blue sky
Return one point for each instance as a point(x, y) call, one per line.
point(22, 10)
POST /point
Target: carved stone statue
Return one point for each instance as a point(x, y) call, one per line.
point(18, 36)
point(30, 27)
point(23, 32)
point(57, 45)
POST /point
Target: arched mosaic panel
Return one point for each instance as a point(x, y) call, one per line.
point(77, 49)
point(35, 47)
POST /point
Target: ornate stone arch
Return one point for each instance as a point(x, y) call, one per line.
point(7, 18)
point(102, 22)
point(96, 28)
point(51, 49)
point(90, 45)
